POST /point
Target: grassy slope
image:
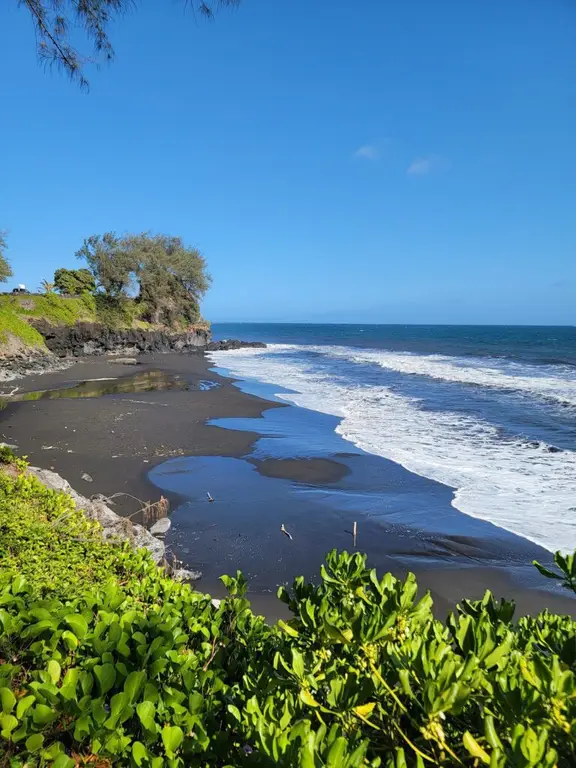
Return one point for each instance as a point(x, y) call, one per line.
point(15, 311)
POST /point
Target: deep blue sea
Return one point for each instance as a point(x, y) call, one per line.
point(489, 411)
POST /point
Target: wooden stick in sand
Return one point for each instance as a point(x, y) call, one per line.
point(285, 532)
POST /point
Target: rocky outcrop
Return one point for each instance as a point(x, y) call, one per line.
point(227, 344)
point(17, 359)
point(94, 339)
point(116, 527)
point(113, 526)
point(65, 343)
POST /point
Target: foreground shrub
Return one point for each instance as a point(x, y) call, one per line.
point(138, 670)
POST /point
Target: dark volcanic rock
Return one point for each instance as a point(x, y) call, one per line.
point(94, 339)
point(227, 344)
point(16, 368)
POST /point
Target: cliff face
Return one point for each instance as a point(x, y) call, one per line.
point(95, 339)
point(45, 332)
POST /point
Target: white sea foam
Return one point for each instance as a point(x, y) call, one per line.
point(556, 383)
point(521, 486)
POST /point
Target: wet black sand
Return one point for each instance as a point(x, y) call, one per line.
point(116, 439)
point(119, 437)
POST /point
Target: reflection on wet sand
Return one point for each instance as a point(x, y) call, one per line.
point(149, 381)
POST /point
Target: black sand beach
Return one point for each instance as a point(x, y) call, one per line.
point(128, 421)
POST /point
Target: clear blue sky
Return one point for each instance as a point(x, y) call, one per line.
point(363, 161)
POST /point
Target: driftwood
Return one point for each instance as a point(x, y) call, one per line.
point(285, 532)
point(9, 394)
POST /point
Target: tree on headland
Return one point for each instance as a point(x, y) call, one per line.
point(72, 282)
point(166, 277)
point(53, 21)
point(171, 276)
point(111, 266)
point(5, 268)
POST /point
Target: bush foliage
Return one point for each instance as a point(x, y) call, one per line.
point(73, 282)
point(170, 277)
point(119, 665)
point(5, 268)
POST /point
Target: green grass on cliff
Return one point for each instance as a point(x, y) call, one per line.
point(17, 310)
point(58, 310)
point(12, 324)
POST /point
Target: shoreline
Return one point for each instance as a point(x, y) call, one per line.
point(118, 439)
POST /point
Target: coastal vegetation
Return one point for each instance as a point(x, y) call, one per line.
point(144, 280)
point(18, 311)
point(104, 660)
point(71, 282)
point(5, 269)
point(170, 277)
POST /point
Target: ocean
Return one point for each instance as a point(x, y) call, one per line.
point(489, 412)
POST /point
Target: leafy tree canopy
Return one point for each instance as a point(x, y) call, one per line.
point(172, 277)
point(5, 268)
point(111, 266)
point(72, 282)
point(53, 21)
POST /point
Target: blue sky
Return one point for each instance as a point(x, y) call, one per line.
point(406, 162)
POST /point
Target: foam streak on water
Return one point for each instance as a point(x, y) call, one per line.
point(522, 486)
point(549, 382)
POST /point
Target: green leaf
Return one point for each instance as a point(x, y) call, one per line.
point(134, 684)
point(7, 724)
point(42, 715)
point(7, 699)
point(546, 572)
point(288, 629)
point(63, 761)
point(18, 585)
point(401, 758)
point(146, 711)
point(298, 663)
point(235, 712)
point(336, 753)
point(365, 710)
point(172, 737)
point(34, 742)
point(24, 705)
point(530, 746)
point(117, 705)
point(82, 727)
point(474, 748)
point(307, 698)
point(490, 732)
point(54, 670)
point(195, 701)
point(139, 752)
point(404, 676)
point(106, 676)
point(70, 640)
point(337, 635)
point(77, 624)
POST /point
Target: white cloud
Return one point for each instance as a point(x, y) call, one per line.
point(422, 166)
point(368, 152)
